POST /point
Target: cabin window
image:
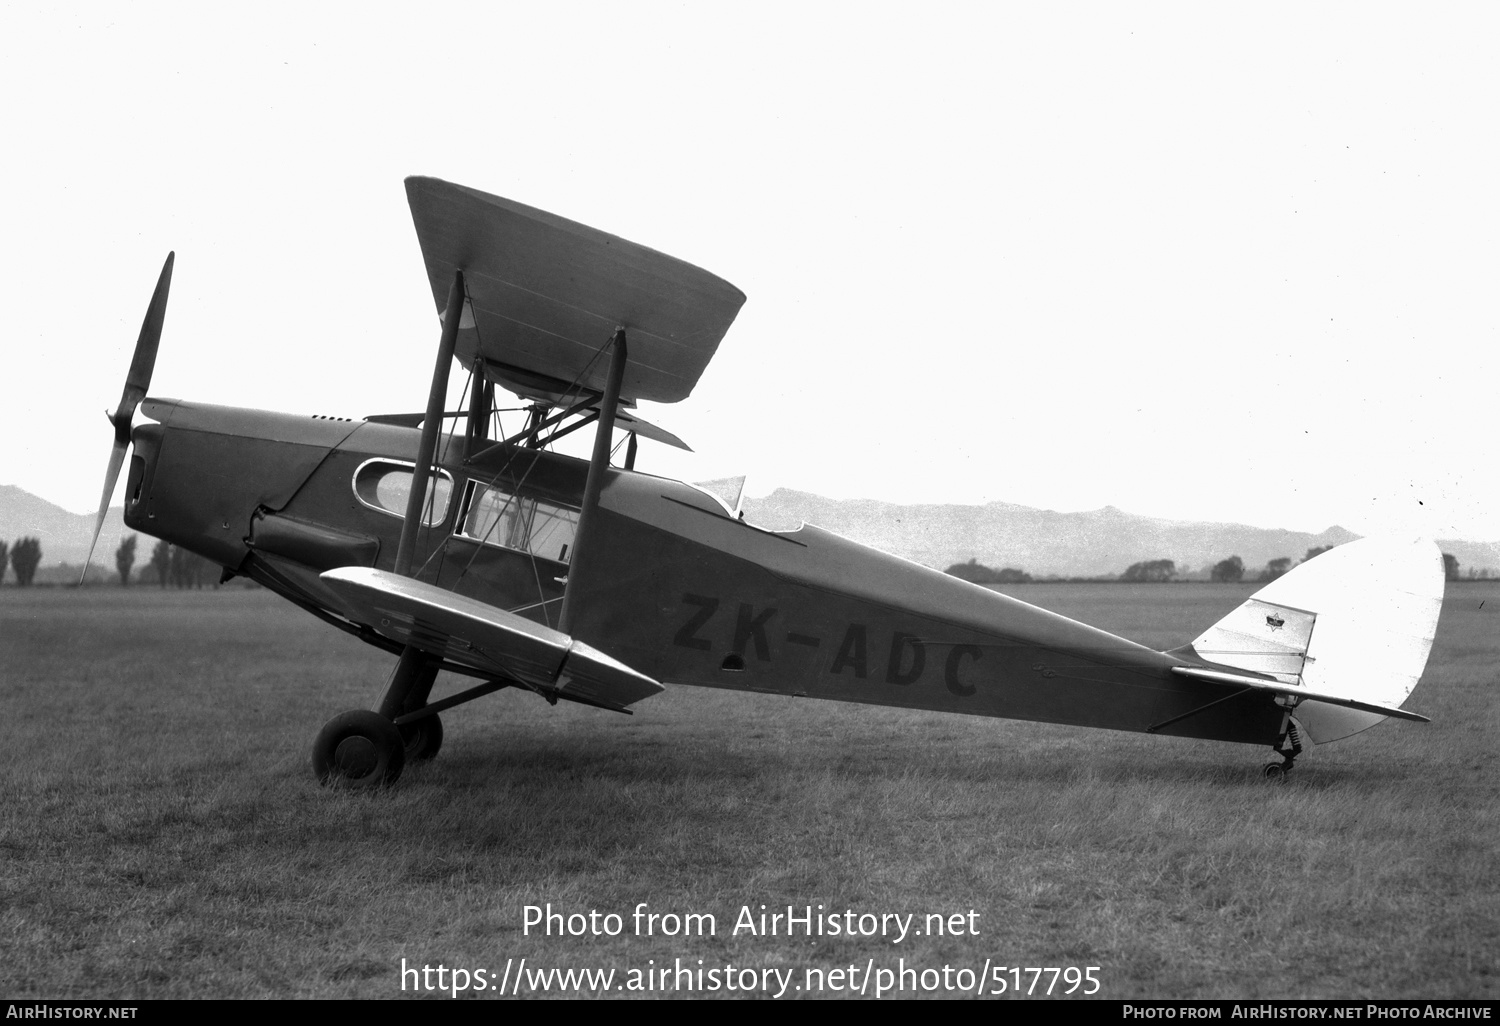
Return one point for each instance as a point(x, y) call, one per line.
point(383, 485)
point(522, 522)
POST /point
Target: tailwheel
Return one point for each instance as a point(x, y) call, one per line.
point(422, 738)
point(359, 749)
point(1289, 747)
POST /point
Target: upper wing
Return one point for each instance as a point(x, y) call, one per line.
point(475, 634)
point(547, 293)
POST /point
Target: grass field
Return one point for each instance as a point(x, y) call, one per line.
point(162, 836)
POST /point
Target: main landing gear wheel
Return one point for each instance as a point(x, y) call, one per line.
point(1275, 771)
point(422, 738)
point(359, 749)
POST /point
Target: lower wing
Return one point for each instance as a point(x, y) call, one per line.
point(474, 634)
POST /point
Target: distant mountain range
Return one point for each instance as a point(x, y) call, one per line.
point(1097, 543)
point(999, 534)
point(64, 536)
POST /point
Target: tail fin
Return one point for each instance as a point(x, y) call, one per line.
point(1356, 622)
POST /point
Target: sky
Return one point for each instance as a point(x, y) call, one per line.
point(1210, 262)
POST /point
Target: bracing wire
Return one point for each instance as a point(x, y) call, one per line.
point(574, 391)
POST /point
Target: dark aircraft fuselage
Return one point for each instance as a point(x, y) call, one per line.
point(675, 586)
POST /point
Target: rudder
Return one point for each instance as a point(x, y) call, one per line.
point(1357, 621)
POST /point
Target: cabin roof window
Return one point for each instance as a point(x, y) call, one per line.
point(383, 485)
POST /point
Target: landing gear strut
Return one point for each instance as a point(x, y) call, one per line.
point(364, 749)
point(1289, 747)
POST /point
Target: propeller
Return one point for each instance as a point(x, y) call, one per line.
point(137, 381)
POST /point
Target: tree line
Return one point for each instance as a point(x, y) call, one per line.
point(1233, 569)
point(1152, 571)
point(23, 555)
point(175, 565)
point(171, 564)
point(976, 572)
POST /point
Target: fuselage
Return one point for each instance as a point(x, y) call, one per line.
point(673, 583)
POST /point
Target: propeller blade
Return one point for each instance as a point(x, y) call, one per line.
point(138, 380)
point(111, 478)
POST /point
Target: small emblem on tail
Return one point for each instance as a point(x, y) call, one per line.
point(1275, 622)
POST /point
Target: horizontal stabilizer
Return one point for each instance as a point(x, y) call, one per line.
point(1222, 677)
point(478, 635)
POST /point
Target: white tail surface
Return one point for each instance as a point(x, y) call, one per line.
point(1357, 622)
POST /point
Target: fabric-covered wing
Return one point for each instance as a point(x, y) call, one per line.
point(547, 293)
point(473, 633)
point(629, 420)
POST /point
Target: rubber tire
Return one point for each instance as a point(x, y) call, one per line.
point(423, 738)
point(358, 749)
point(1275, 771)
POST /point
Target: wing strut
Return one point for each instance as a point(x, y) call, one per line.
point(415, 671)
point(427, 448)
point(481, 403)
point(603, 436)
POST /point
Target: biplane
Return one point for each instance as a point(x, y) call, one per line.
point(457, 547)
